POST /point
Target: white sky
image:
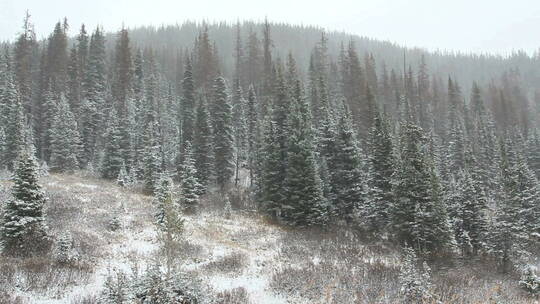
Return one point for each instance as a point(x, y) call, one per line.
point(495, 26)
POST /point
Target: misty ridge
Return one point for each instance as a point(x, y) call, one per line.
point(261, 162)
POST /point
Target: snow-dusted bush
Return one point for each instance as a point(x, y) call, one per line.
point(237, 295)
point(153, 286)
point(232, 263)
point(114, 223)
point(124, 178)
point(64, 253)
point(44, 169)
point(530, 282)
point(416, 287)
point(116, 289)
point(91, 170)
point(227, 209)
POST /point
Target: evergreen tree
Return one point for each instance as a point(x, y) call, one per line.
point(252, 126)
point(190, 186)
point(112, 161)
point(94, 86)
point(151, 158)
point(23, 63)
point(239, 132)
point(270, 177)
point(123, 72)
point(15, 130)
point(467, 209)
point(533, 152)
point(418, 214)
point(381, 164)
point(188, 104)
point(223, 135)
point(507, 236)
point(305, 204)
point(202, 146)
point(65, 141)
point(23, 226)
point(74, 81)
point(345, 170)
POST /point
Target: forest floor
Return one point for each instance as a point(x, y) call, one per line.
point(239, 253)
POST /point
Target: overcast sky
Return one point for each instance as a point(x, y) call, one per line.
point(494, 26)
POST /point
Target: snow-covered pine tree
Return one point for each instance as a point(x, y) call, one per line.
point(223, 134)
point(416, 286)
point(270, 178)
point(418, 214)
point(239, 132)
point(467, 209)
point(112, 156)
point(23, 224)
point(305, 204)
point(65, 140)
point(188, 103)
point(151, 157)
point(123, 179)
point(202, 146)
point(169, 220)
point(456, 147)
point(116, 289)
point(529, 195)
point(252, 128)
point(93, 107)
point(2, 147)
point(507, 236)
point(190, 186)
point(161, 195)
point(16, 128)
point(533, 152)
point(381, 163)
point(345, 170)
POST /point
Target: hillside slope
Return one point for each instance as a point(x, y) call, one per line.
point(241, 257)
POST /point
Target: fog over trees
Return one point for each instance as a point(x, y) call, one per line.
point(436, 153)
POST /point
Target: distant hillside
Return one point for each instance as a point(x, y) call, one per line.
point(300, 40)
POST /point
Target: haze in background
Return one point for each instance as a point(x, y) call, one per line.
point(480, 26)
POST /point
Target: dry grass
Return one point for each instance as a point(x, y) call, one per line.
point(234, 296)
point(83, 207)
point(232, 263)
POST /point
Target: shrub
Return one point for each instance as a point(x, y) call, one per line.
point(153, 286)
point(234, 296)
point(415, 281)
point(64, 253)
point(231, 263)
point(530, 282)
point(114, 224)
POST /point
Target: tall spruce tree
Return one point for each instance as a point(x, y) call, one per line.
point(23, 224)
point(345, 173)
point(305, 204)
point(223, 134)
point(418, 214)
point(15, 130)
point(152, 162)
point(202, 146)
point(251, 130)
point(382, 165)
point(112, 161)
point(270, 179)
point(507, 237)
point(65, 140)
point(190, 186)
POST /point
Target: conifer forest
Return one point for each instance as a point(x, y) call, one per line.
point(259, 162)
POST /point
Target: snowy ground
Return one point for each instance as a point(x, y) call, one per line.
point(268, 262)
point(92, 203)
